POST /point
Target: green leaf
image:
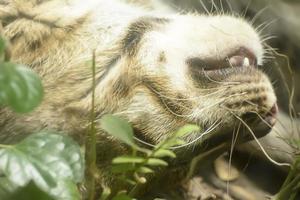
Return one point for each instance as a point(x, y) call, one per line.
point(145, 170)
point(53, 162)
point(173, 142)
point(28, 192)
point(164, 153)
point(66, 190)
point(6, 187)
point(129, 181)
point(187, 129)
point(20, 88)
point(156, 162)
point(122, 197)
point(118, 128)
point(2, 46)
point(128, 159)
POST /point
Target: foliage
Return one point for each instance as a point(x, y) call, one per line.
point(291, 186)
point(52, 162)
point(48, 166)
point(20, 88)
point(44, 165)
point(133, 169)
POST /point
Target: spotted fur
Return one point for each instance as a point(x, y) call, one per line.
point(158, 71)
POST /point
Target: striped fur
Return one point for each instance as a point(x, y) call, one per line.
point(143, 71)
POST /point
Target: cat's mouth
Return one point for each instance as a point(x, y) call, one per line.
point(247, 127)
point(242, 57)
point(259, 125)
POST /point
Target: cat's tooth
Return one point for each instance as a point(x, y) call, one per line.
point(246, 62)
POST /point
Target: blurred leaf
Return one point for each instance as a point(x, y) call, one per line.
point(187, 129)
point(145, 170)
point(2, 46)
point(105, 193)
point(129, 181)
point(164, 153)
point(128, 159)
point(28, 192)
point(173, 142)
point(51, 161)
point(20, 88)
point(295, 142)
point(122, 197)
point(118, 128)
point(66, 190)
point(156, 162)
point(6, 187)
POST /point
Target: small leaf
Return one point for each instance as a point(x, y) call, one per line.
point(20, 88)
point(187, 129)
point(156, 162)
point(118, 128)
point(145, 170)
point(164, 153)
point(130, 182)
point(173, 142)
point(128, 159)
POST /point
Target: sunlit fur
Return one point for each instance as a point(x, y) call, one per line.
point(142, 70)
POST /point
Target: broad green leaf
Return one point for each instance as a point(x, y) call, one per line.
point(28, 192)
point(51, 161)
point(66, 190)
point(145, 170)
point(128, 159)
point(59, 152)
point(156, 162)
point(164, 153)
point(122, 197)
point(10, 191)
point(20, 88)
point(186, 129)
point(6, 187)
point(118, 128)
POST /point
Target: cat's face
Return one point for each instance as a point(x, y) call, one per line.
point(202, 70)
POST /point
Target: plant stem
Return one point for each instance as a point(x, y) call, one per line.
point(91, 154)
point(139, 186)
point(290, 187)
point(209, 155)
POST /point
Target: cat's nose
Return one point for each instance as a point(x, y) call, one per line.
point(270, 117)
